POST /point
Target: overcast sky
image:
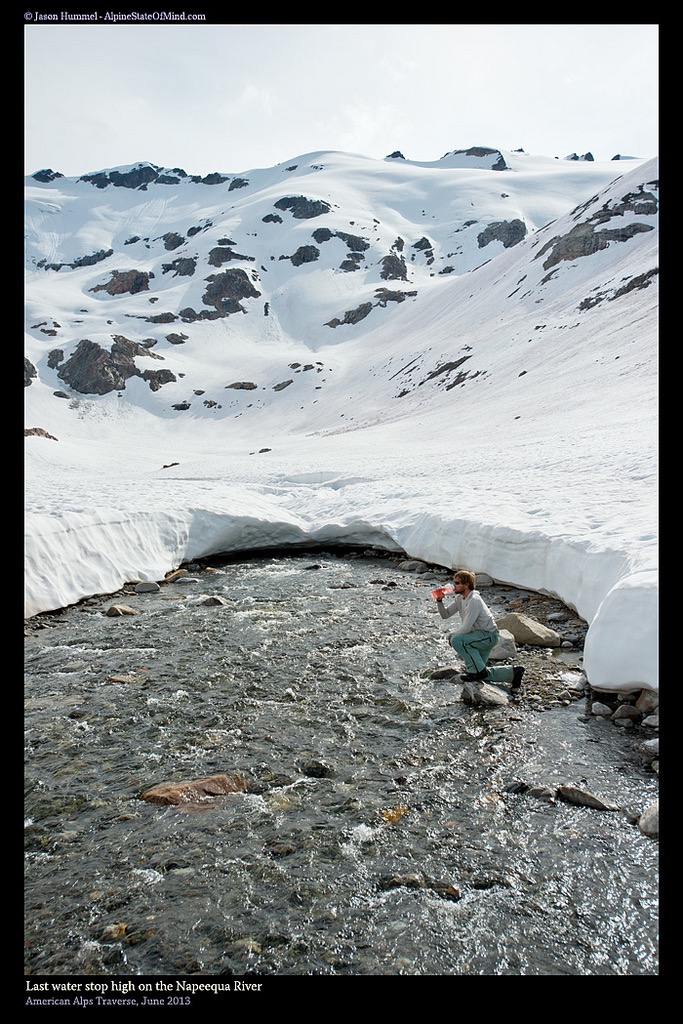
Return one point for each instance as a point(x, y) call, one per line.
point(225, 97)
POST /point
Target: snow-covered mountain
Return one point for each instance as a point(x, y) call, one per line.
point(456, 358)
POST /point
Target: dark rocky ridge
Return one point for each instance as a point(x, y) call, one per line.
point(92, 370)
point(590, 236)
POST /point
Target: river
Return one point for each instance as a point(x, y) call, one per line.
point(384, 830)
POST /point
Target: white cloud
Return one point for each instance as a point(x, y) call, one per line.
point(282, 89)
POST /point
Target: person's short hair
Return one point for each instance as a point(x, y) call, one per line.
point(465, 576)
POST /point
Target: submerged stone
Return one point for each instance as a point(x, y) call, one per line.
point(197, 791)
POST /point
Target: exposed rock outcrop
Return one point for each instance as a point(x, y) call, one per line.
point(123, 281)
point(302, 208)
point(497, 162)
point(304, 254)
point(225, 291)
point(172, 240)
point(138, 177)
point(29, 372)
point(509, 232)
point(82, 261)
point(38, 432)
point(394, 268)
point(183, 267)
point(354, 242)
point(352, 316)
point(145, 174)
point(92, 370)
point(221, 254)
point(590, 236)
point(47, 175)
point(386, 295)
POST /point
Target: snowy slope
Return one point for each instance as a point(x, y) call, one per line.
point(494, 408)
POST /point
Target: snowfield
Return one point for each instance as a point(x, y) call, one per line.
point(500, 415)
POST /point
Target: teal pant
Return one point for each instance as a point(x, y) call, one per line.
point(475, 649)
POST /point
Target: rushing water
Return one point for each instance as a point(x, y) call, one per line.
point(383, 832)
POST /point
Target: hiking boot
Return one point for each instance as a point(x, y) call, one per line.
point(517, 674)
point(472, 677)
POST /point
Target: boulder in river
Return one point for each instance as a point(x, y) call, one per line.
point(526, 630)
point(199, 791)
point(648, 823)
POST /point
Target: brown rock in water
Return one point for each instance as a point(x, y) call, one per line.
point(195, 792)
point(417, 881)
point(279, 849)
point(175, 574)
point(120, 609)
point(574, 795)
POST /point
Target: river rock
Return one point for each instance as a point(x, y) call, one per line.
point(147, 588)
point(600, 709)
point(546, 793)
point(648, 701)
point(445, 890)
point(444, 673)
point(627, 711)
point(120, 609)
point(505, 648)
point(412, 565)
point(574, 795)
point(576, 685)
point(278, 848)
point(316, 769)
point(648, 823)
point(199, 791)
point(177, 574)
point(526, 630)
point(412, 880)
point(483, 694)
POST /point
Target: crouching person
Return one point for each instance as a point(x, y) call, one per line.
point(477, 635)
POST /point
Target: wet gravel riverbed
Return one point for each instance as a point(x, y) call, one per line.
point(386, 828)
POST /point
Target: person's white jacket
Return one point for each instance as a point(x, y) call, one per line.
point(474, 613)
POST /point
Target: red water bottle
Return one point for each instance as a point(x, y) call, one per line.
point(442, 591)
